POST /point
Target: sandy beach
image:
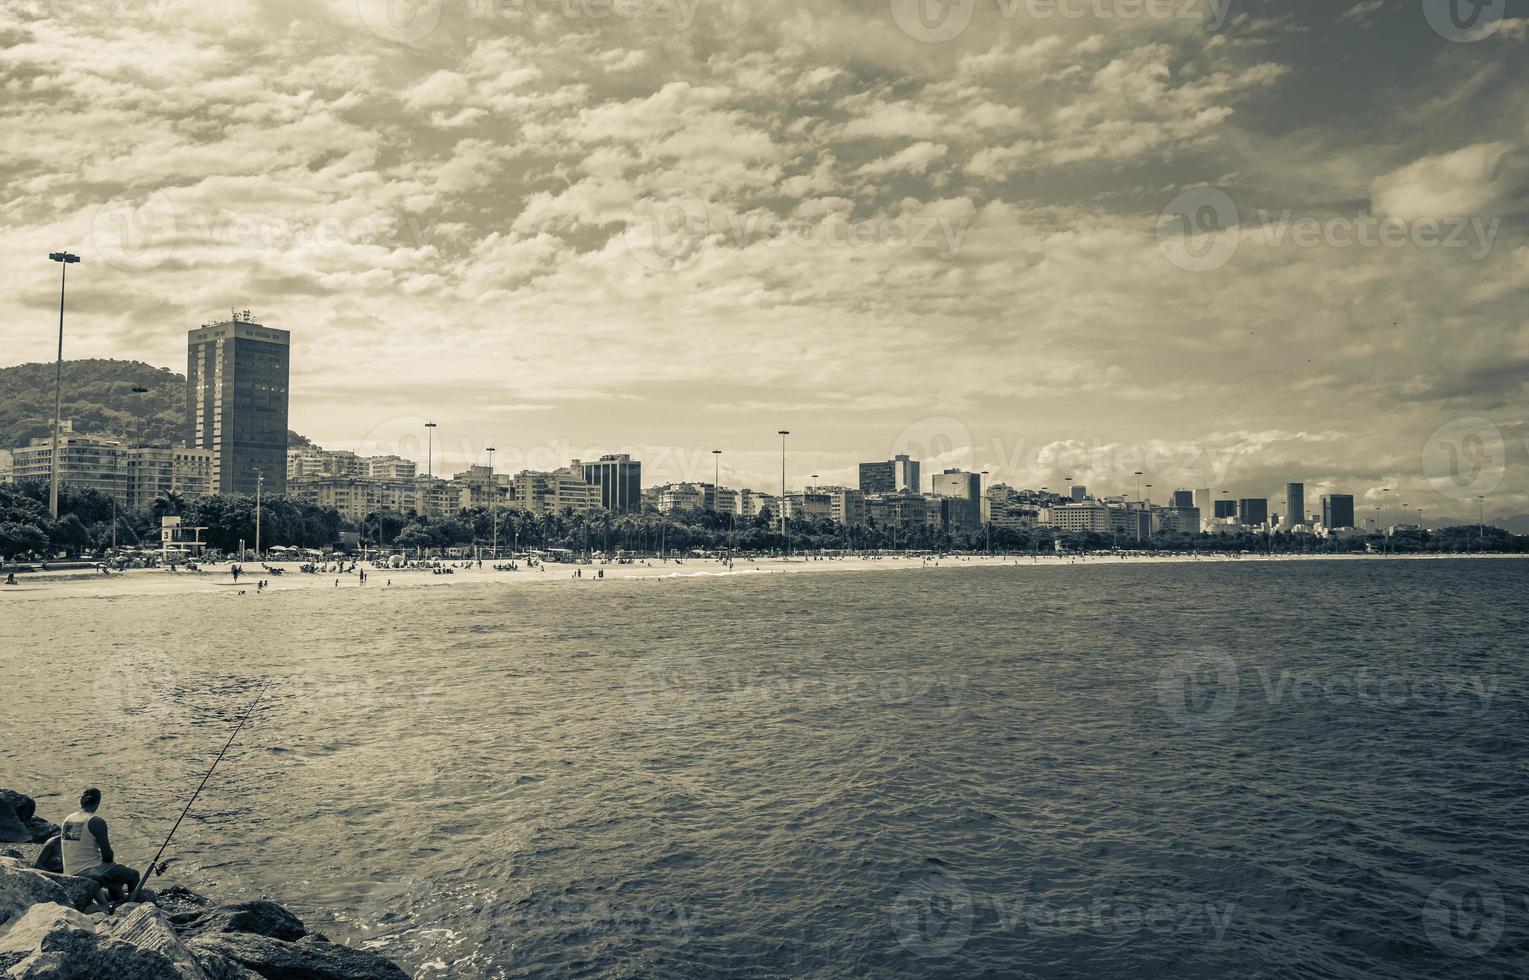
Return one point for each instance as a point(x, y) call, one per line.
point(217, 578)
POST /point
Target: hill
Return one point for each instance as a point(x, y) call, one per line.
point(98, 397)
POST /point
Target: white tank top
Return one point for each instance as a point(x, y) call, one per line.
point(79, 847)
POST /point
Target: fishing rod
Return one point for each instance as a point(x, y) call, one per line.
point(149, 871)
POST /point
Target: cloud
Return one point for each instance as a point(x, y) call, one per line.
point(1482, 179)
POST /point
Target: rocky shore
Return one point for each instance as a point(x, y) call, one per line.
point(51, 929)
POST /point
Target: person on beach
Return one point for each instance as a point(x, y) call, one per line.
point(86, 849)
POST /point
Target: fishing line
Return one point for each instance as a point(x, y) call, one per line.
point(149, 871)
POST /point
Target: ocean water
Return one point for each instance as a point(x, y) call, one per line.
point(1308, 769)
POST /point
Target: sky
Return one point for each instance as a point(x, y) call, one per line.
point(1227, 243)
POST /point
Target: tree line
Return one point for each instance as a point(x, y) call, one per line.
point(87, 519)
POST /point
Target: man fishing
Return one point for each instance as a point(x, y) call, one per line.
point(87, 850)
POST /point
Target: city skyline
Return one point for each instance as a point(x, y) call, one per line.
point(502, 277)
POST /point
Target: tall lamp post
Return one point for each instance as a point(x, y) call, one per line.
point(1481, 521)
point(430, 449)
point(493, 489)
point(785, 528)
point(716, 475)
point(1138, 506)
point(259, 481)
point(65, 260)
point(987, 524)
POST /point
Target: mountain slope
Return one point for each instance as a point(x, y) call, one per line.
point(98, 397)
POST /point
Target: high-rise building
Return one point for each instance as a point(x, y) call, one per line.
point(236, 402)
point(1078, 492)
point(550, 493)
point(391, 468)
point(84, 461)
point(157, 471)
point(1253, 511)
point(619, 481)
point(1225, 507)
point(1337, 510)
point(1295, 505)
point(966, 490)
point(1183, 498)
point(895, 475)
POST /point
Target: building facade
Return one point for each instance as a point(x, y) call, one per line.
point(1337, 510)
point(618, 478)
point(237, 376)
point(1295, 505)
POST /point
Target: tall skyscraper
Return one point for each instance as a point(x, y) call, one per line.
point(1253, 511)
point(1337, 510)
point(619, 478)
point(1183, 498)
point(1225, 507)
point(901, 472)
point(963, 490)
point(1295, 505)
point(236, 402)
point(1078, 492)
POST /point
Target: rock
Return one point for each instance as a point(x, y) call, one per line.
point(8, 960)
point(22, 805)
point(13, 830)
point(26, 932)
point(256, 918)
point(21, 888)
point(222, 968)
point(146, 927)
point(11, 852)
point(41, 830)
point(74, 954)
point(302, 960)
point(80, 891)
point(181, 903)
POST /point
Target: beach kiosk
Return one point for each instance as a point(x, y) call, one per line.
point(178, 541)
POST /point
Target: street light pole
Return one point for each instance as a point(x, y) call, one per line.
point(1138, 507)
point(429, 449)
point(259, 481)
point(1481, 521)
point(785, 529)
point(493, 489)
point(65, 260)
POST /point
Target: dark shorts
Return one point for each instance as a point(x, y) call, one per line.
point(112, 875)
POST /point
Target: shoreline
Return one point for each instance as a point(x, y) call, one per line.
point(217, 580)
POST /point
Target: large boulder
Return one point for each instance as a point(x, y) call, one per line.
point(21, 888)
point(181, 903)
point(147, 928)
point(256, 918)
point(80, 891)
point(25, 933)
point(23, 807)
point(78, 954)
point(306, 959)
